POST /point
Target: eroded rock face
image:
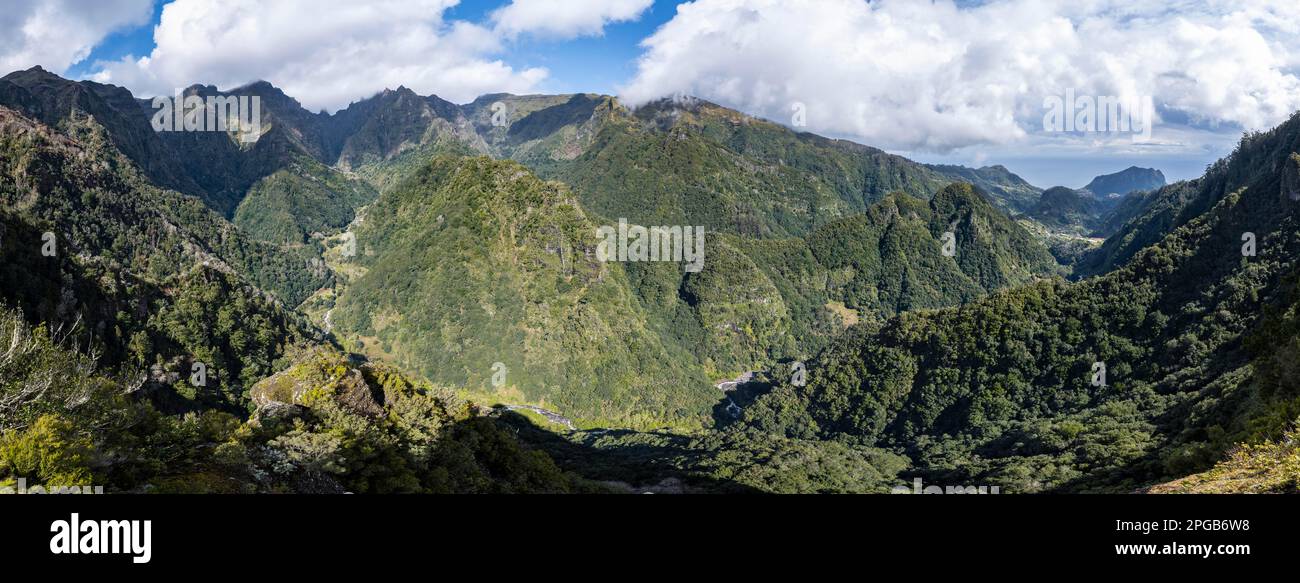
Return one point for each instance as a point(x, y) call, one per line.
point(278, 389)
point(330, 376)
point(356, 395)
point(1291, 179)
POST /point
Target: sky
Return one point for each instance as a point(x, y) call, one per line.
point(967, 82)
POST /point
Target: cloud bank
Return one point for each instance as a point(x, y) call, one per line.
point(57, 34)
point(325, 53)
point(329, 53)
point(566, 19)
point(938, 76)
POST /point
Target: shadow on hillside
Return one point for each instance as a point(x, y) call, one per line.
point(732, 403)
point(637, 461)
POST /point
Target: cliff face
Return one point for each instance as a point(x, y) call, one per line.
point(1291, 179)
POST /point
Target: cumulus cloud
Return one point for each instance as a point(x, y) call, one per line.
point(57, 34)
point(937, 76)
point(325, 53)
point(567, 19)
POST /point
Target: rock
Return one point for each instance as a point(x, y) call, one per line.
point(346, 384)
point(1291, 179)
point(354, 394)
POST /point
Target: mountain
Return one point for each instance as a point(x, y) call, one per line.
point(496, 266)
point(290, 189)
point(57, 102)
point(355, 282)
point(1006, 188)
point(144, 336)
point(1146, 373)
point(757, 187)
point(473, 262)
point(148, 277)
point(1067, 209)
point(325, 426)
point(1145, 218)
point(894, 261)
point(1099, 209)
point(767, 190)
point(543, 131)
point(1129, 180)
point(672, 159)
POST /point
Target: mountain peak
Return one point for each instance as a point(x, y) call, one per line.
point(1131, 179)
point(262, 88)
point(36, 73)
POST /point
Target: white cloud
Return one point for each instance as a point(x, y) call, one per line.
point(325, 53)
point(933, 76)
point(565, 19)
point(57, 34)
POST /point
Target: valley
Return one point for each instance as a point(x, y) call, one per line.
point(367, 286)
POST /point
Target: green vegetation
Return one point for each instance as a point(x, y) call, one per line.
point(736, 460)
point(1272, 467)
point(148, 277)
point(473, 262)
point(891, 258)
point(455, 275)
point(355, 428)
point(294, 203)
point(1001, 391)
point(1068, 210)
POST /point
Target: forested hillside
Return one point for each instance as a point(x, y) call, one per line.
point(323, 426)
point(473, 262)
point(148, 275)
point(359, 289)
point(1190, 335)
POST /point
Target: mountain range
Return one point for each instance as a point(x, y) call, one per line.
point(356, 282)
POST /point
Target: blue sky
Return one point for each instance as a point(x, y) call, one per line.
point(133, 40)
point(581, 65)
point(961, 82)
point(587, 64)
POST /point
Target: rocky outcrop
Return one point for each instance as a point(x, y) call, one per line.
point(318, 375)
point(1291, 179)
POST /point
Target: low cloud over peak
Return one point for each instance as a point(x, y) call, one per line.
point(938, 76)
point(327, 53)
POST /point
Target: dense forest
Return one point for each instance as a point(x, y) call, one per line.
point(406, 296)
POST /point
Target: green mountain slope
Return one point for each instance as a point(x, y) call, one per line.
point(1011, 192)
point(341, 427)
point(1067, 210)
point(150, 276)
point(56, 102)
point(892, 257)
point(299, 201)
point(672, 160)
point(473, 262)
point(1005, 390)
